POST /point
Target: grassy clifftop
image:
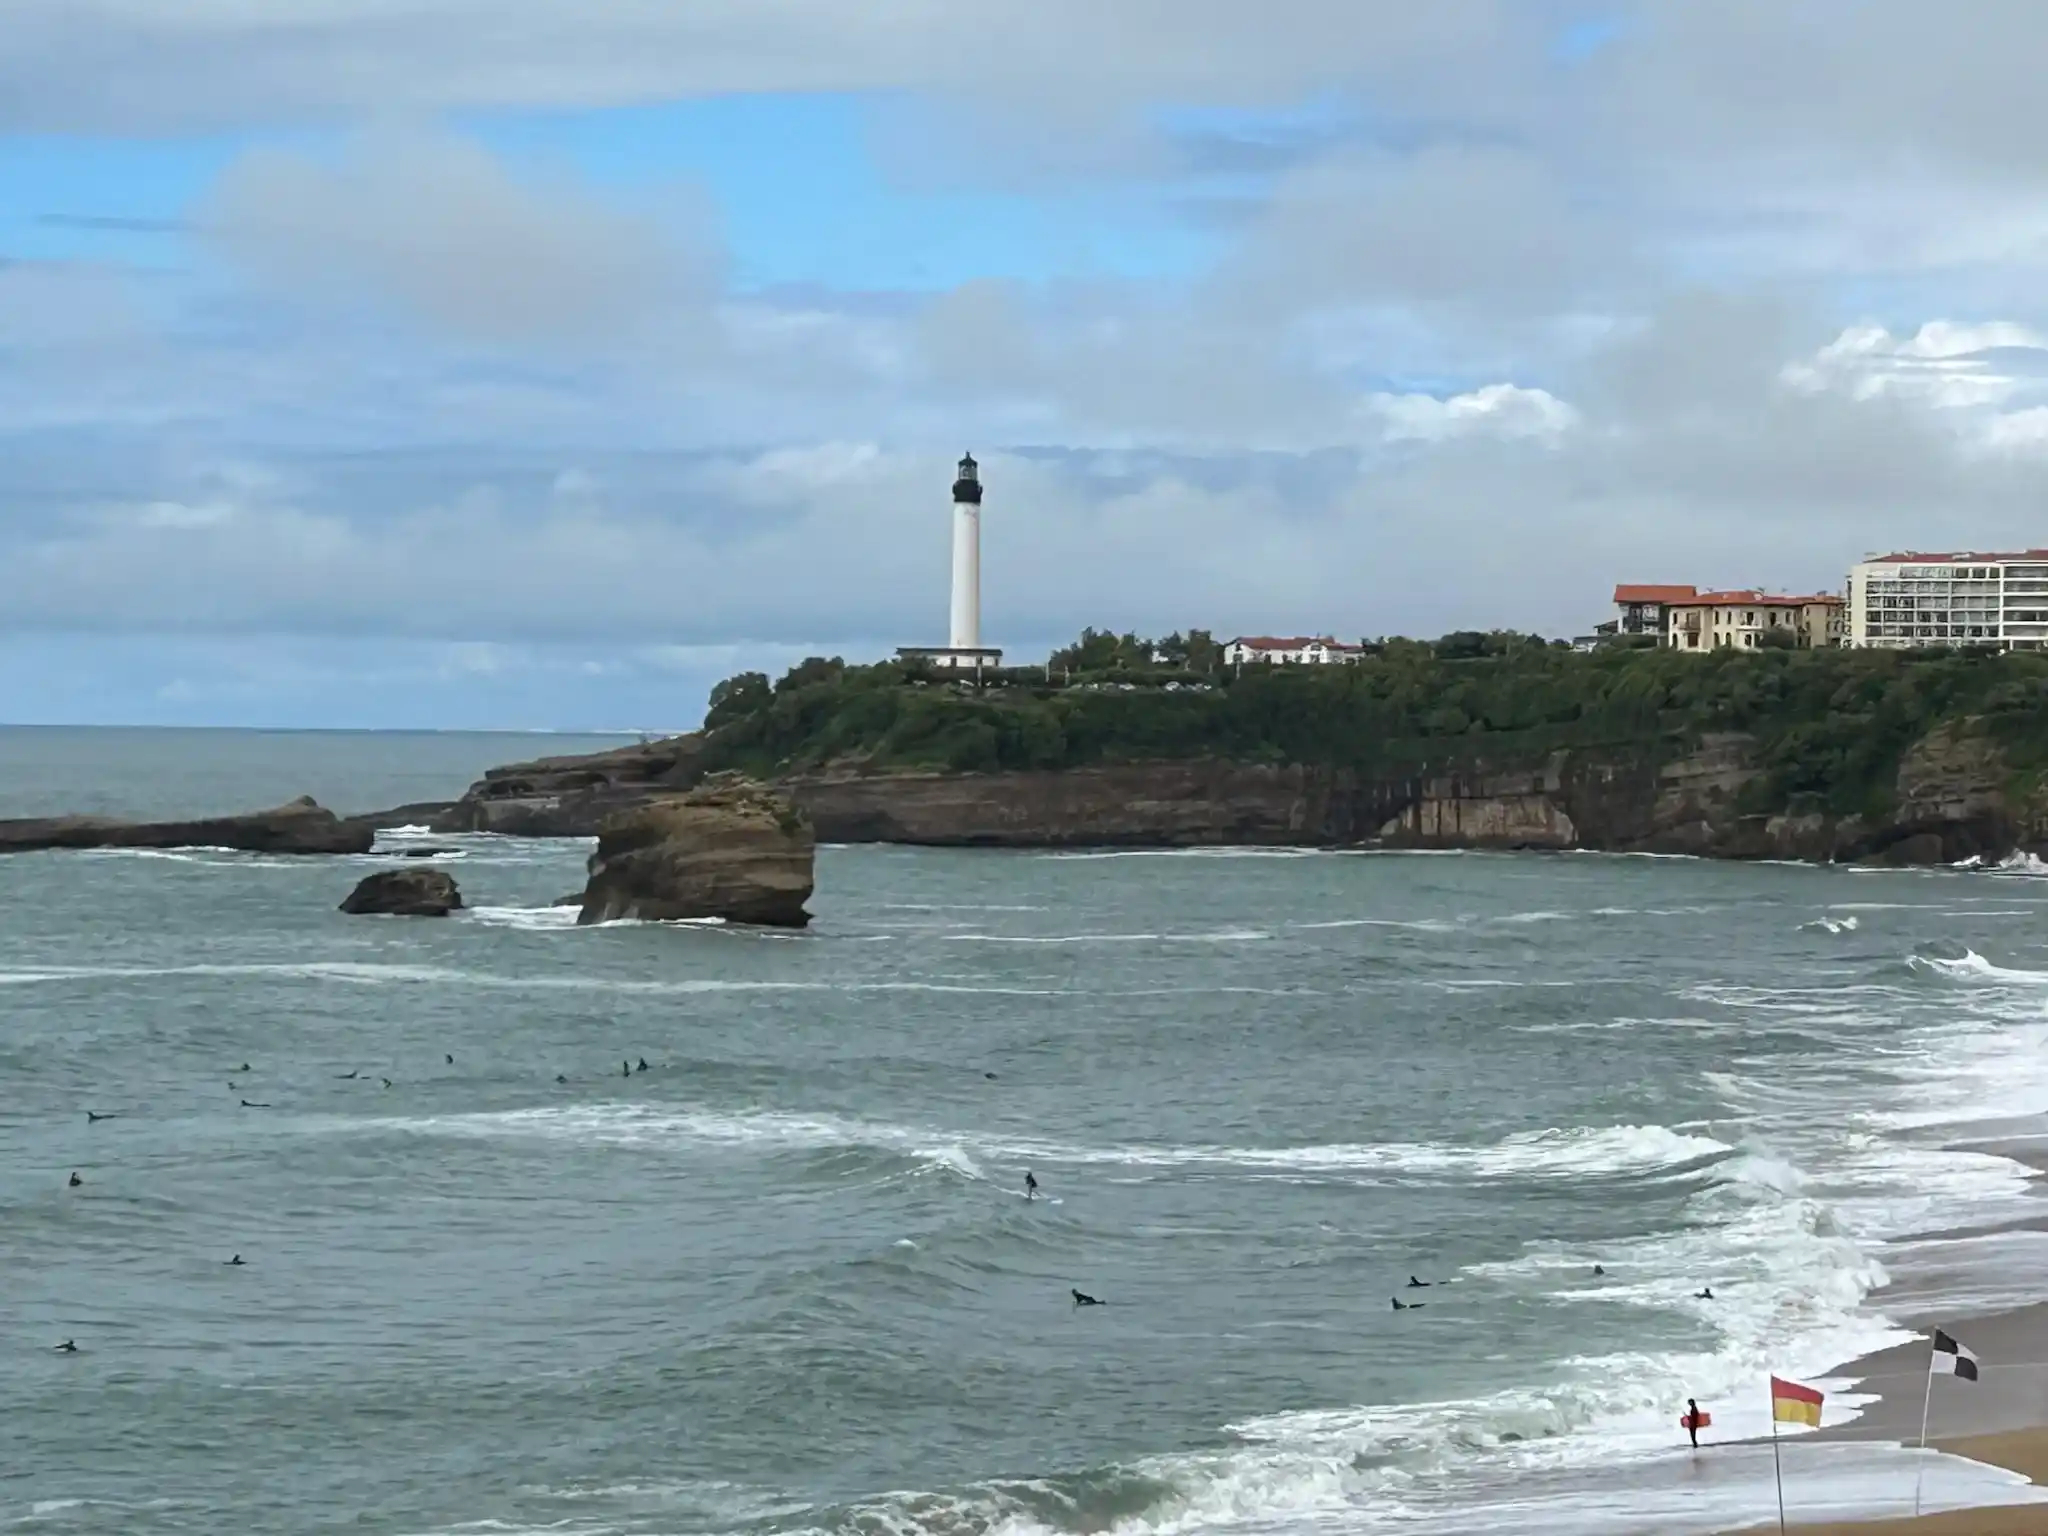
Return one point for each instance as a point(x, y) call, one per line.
point(1830, 726)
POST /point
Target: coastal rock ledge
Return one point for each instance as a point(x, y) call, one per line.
point(404, 893)
point(303, 826)
point(728, 849)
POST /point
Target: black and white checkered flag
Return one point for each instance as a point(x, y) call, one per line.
point(1951, 1357)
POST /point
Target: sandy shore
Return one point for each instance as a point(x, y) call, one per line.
point(2024, 1451)
point(1998, 1420)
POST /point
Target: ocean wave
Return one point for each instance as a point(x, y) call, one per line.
point(1577, 1153)
point(383, 973)
point(1971, 966)
point(1191, 853)
point(1830, 925)
point(1222, 936)
point(528, 919)
point(1375, 1467)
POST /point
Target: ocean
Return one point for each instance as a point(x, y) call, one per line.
point(786, 1280)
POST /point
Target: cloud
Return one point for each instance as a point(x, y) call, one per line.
point(440, 226)
point(1487, 229)
point(1507, 409)
point(152, 64)
point(1949, 364)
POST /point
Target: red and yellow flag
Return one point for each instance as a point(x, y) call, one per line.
point(1794, 1404)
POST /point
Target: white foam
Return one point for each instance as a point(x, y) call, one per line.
point(1192, 853)
point(528, 919)
point(1555, 1154)
point(1224, 936)
point(378, 973)
point(1974, 967)
point(1831, 924)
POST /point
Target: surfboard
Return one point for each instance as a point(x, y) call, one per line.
point(1699, 1420)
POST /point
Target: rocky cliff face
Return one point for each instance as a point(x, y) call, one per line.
point(1952, 796)
point(572, 796)
point(729, 849)
point(1139, 805)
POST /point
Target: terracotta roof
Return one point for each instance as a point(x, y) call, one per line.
point(1957, 557)
point(1629, 592)
point(1291, 643)
point(1756, 600)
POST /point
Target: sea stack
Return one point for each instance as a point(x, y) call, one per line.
point(729, 849)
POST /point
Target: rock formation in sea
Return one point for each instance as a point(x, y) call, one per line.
point(729, 849)
point(417, 892)
point(572, 796)
point(303, 826)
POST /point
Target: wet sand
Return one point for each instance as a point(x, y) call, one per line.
point(2024, 1451)
point(1997, 1420)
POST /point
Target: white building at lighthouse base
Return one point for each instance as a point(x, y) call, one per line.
point(972, 657)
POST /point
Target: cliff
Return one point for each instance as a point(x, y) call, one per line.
point(1951, 797)
point(1905, 757)
point(572, 796)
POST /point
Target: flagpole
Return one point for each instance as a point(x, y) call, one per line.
point(1778, 1464)
point(1926, 1404)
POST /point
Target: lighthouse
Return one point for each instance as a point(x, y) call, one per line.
point(966, 631)
point(963, 647)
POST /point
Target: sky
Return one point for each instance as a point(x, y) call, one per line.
point(535, 364)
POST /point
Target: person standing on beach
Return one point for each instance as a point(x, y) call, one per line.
point(1692, 1421)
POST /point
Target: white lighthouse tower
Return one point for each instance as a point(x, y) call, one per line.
point(963, 647)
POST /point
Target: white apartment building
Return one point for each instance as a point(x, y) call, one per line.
point(1901, 601)
point(1298, 651)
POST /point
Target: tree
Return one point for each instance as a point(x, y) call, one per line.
point(812, 669)
point(1101, 650)
point(738, 697)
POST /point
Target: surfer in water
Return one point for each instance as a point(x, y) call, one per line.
point(1705, 1294)
point(1408, 1306)
point(1417, 1285)
point(1030, 1185)
point(75, 1179)
point(1083, 1299)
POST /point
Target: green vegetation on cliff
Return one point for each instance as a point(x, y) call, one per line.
point(1830, 726)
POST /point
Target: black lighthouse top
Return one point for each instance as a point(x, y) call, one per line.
point(967, 487)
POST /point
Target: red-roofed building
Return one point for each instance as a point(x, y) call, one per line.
point(1961, 598)
point(1742, 620)
point(1640, 608)
point(1293, 651)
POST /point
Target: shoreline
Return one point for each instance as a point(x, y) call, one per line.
point(1999, 1421)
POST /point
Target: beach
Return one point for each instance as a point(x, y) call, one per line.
point(2024, 1451)
point(2000, 1420)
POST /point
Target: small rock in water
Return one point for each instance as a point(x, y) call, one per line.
point(405, 893)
